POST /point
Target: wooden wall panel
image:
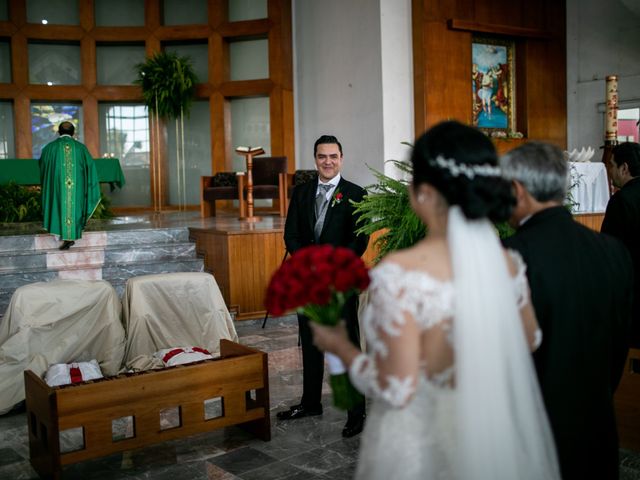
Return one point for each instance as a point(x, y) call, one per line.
point(442, 35)
point(447, 86)
point(218, 89)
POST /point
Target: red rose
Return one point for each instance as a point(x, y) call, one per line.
point(319, 294)
point(311, 276)
point(345, 281)
point(342, 257)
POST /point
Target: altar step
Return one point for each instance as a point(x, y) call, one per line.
point(114, 256)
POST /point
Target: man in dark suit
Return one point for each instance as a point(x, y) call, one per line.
point(321, 212)
point(622, 218)
point(580, 285)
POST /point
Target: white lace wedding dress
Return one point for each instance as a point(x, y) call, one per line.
point(408, 371)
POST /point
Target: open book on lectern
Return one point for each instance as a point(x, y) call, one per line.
point(249, 149)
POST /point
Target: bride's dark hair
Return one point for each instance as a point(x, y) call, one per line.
point(461, 163)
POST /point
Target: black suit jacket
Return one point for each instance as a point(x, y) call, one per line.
point(580, 285)
point(622, 220)
point(339, 223)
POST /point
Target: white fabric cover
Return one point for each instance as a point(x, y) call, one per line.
point(60, 373)
point(61, 321)
point(170, 310)
point(589, 187)
point(182, 355)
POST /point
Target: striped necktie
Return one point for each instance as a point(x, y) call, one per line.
point(321, 209)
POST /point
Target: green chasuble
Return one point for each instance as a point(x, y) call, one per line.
point(70, 187)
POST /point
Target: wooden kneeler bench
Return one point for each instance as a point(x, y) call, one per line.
point(238, 381)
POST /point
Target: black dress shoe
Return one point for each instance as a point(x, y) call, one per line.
point(353, 426)
point(67, 244)
point(298, 411)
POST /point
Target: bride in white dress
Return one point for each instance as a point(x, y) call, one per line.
point(449, 330)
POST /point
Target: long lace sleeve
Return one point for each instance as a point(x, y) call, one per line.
point(523, 297)
point(389, 370)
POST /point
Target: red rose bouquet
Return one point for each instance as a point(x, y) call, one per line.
point(318, 281)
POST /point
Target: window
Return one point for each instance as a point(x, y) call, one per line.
point(116, 63)
point(54, 64)
point(185, 12)
point(53, 12)
point(5, 61)
point(628, 125)
point(7, 145)
point(247, 10)
point(45, 118)
point(250, 126)
point(249, 59)
point(119, 13)
point(124, 134)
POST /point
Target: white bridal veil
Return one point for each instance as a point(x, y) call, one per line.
point(503, 427)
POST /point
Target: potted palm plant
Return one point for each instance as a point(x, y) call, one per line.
point(168, 86)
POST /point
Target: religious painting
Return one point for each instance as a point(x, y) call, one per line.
point(492, 80)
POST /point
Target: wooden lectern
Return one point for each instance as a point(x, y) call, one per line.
point(249, 153)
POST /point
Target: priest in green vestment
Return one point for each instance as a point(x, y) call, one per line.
point(70, 187)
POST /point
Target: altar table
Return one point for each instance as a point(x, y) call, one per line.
point(589, 186)
point(25, 171)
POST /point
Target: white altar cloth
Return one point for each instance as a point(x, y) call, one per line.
point(589, 187)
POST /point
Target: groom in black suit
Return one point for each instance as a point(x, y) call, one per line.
point(581, 285)
point(321, 212)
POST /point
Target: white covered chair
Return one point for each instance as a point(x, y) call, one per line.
point(61, 321)
point(173, 310)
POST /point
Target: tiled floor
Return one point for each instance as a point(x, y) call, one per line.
point(310, 448)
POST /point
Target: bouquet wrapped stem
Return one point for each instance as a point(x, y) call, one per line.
point(345, 396)
point(318, 281)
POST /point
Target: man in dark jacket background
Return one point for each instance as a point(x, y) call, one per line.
point(580, 283)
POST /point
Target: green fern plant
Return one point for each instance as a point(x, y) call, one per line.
point(386, 208)
point(168, 84)
point(103, 210)
point(19, 203)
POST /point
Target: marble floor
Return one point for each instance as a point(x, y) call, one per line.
point(140, 221)
point(309, 448)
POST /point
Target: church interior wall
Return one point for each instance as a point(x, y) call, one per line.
point(603, 38)
point(338, 75)
point(443, 32)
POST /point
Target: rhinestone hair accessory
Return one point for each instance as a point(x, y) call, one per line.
point(469, 171)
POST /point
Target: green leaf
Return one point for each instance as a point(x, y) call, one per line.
point(170, 79)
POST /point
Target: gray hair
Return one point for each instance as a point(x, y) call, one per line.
point(540, 167)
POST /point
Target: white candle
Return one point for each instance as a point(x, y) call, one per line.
point(611, 113)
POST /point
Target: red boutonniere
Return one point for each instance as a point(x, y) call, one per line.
point(337, 197)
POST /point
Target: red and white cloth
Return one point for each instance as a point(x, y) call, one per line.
point(77, 372)
point(182, 355)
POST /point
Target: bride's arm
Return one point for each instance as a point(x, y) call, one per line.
point(518, 270)
point(389, 371)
